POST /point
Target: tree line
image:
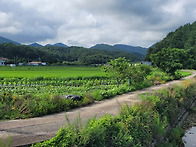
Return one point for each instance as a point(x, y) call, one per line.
point(60, 55)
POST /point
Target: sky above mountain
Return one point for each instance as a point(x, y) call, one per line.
point(88, 22)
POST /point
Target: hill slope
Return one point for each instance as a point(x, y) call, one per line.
point(183, 38)
point(5, 40)
point(54, 54)
point(132, 49)
point(137, 51)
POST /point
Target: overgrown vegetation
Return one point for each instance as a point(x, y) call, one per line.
point(149, 123)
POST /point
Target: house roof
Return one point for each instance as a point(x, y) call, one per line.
point(35, 62)
point(4, 59)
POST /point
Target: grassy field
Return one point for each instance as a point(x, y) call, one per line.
point(50, 71)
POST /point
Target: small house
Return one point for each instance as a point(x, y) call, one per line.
point(44, 63)
point(2, 61)
point(34, 63)
point(12, 65)
point(20, 64)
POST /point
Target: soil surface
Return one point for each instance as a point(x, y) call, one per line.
point(28, 131)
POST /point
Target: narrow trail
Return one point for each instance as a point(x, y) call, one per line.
point(28, 131)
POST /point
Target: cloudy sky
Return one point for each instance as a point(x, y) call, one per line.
point(88, 22)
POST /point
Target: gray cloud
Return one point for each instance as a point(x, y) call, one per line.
point(87, 22)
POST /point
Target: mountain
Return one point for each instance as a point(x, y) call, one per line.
point(35, 45)
point(183, 38)
point(139, 52)
point(48, 45)
point(132, 49)
point(5, 40)
point(121, 47)
point(105, 47)
point(60, 45)
point(57, 44)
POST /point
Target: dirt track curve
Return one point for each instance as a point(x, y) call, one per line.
point(28, 131)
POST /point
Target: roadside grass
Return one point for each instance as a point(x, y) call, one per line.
point(151, 122)
point(6, 143)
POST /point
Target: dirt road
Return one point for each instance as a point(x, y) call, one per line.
point(28, 131)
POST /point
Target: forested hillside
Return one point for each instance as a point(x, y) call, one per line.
point(182, 38)
point(176, 51)
point(55, 54)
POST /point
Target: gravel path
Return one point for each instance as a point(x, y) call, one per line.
point(28, 131)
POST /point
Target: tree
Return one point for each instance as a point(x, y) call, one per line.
point(118, 68)
point(170, 59)
point(139, 72)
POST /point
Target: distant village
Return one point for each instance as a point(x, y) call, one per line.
point(39, 63)
point(34, 63)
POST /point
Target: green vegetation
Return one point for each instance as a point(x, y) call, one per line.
point(182, 38)
point(60, 55)
point(152, 122)
point(6, 143)
point(39, 92)
point(121, 69)
point(50, 71)
point(171, 59)
point(184, 73)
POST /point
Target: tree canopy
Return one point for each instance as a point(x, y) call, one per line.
point(118, 68)
point(121, 69)
point(54, 54)
point(171, 59)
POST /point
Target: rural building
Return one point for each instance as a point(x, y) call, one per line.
point(20, 64)
point(12, 65)
point(36, 63)
point(146, 62)
point(2, 61)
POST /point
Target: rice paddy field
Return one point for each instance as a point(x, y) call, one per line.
point(50, 71)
